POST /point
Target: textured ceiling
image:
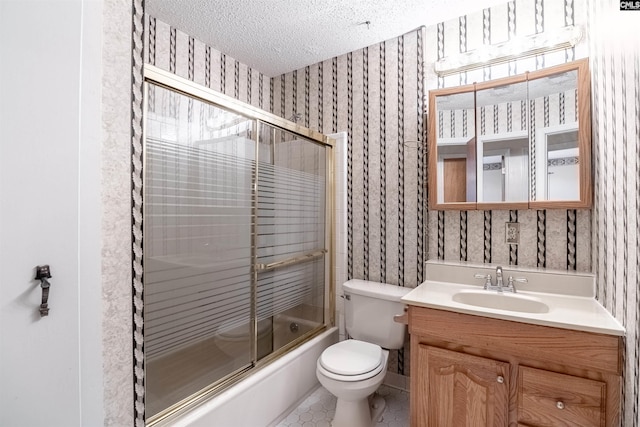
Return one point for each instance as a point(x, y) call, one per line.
point(279, 36)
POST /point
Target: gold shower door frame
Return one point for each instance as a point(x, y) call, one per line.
point(162, 78)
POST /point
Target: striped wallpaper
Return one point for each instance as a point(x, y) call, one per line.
point(379, 102)
point(615, 80)
point(559, 239)
point(603, 240)
point(377, 94)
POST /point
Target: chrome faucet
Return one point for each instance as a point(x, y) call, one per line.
point(499, 282)
point(499, 285)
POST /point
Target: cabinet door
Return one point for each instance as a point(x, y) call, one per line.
point(457, 389)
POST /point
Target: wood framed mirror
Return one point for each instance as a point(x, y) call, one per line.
point(515, 143)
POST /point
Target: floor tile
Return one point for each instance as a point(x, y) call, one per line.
point(318, 409)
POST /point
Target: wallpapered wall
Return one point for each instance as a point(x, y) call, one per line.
point(377, 94)
point(387, 191)
point(552, 238)
point(386, 233)
point(615, 85)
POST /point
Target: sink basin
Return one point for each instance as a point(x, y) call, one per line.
point(501, 301)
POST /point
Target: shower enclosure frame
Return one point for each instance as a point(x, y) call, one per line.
point(170, 81)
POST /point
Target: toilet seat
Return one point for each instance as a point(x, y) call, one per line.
point(351, 360)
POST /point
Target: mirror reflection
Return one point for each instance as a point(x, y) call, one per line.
point(514, 143)
point(503, 143)
point(456, 148)
point(554, 134)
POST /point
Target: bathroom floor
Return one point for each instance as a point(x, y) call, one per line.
point(318, 409)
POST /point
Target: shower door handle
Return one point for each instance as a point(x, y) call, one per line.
point(290, 261)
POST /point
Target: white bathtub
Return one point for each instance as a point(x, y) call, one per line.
point(261, 399)
point(287, 328)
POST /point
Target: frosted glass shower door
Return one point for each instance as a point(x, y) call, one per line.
point(291, 234)
point(199, 170)
point(236, 261)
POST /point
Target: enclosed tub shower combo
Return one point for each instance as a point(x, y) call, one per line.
point(237, 247)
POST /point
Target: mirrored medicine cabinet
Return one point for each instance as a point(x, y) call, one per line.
point(522, 142)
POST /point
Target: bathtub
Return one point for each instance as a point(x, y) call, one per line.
point(263, 398)
point(287, 328)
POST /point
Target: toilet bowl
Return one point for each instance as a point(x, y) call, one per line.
point(352, 371)
point(234, 340)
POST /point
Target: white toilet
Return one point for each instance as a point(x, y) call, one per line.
point(353, 369)
point(234, 340)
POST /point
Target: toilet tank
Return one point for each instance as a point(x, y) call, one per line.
point(369, 308)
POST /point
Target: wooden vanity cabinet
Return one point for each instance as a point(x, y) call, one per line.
point(471, 370)
point(461, 390)
point(551, 399)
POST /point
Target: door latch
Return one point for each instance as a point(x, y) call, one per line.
point(43, 273)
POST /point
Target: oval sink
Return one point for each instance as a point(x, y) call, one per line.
point(501, 301)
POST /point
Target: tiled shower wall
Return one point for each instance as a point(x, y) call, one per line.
point(379, 101)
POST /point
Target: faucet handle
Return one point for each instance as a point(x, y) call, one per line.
point(487, 278)
point(512, 279)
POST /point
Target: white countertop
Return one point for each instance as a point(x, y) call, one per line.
point(568, 311)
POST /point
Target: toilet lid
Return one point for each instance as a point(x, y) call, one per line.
point(351, 357)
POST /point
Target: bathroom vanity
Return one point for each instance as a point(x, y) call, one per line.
point(556, 361)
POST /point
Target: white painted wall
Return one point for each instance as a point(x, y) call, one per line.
point(50, 79)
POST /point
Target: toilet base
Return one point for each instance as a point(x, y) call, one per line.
point(359, 413)
point(377, 405)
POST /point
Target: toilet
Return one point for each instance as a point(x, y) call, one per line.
point(352, 370)
point(234, 340)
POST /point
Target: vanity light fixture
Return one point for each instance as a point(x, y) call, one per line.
point(516, 48)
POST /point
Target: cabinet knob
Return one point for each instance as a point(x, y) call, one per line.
point(500, 379)
point(560, 404)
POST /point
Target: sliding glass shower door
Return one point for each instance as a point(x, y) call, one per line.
point(291, 233)
point(198, 206)
point(235, 244)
